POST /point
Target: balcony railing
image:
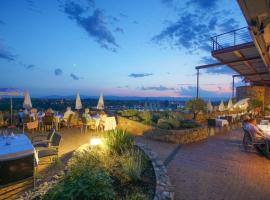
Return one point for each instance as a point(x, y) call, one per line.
point(231, 38)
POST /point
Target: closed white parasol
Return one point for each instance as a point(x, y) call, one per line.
point(100, 105)
point(209, 106)
point(221, 106)
point(27, 104)
point(78, 104)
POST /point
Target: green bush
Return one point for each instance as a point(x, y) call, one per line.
point(85, 183)
point(132, 165)
point(146, 117)
point(136, 196)
point(118, 141)
point(174, 123)
point(188, 124)
point(135, 118)
point(129, 113)
point(164, 124)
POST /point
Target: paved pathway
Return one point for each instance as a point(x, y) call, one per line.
point(216, 168)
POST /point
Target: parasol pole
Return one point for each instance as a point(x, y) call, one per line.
point(10, 110)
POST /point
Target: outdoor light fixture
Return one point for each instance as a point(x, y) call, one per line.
point(95, 141)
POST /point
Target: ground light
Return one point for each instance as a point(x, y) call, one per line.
point(95, 141)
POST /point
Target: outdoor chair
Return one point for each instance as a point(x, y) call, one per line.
point(47, 122)
point(46, 142)
point(31, 126)
point(43, 137)
point(260, 145)
point(88, 124)
point(51, 151)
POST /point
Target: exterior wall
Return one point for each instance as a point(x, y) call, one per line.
point(257, 92)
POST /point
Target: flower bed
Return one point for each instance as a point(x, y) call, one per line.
point(115, 169)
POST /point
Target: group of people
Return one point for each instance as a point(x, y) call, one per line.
point(255, 135)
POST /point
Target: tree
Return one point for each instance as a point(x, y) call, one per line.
point(195, 106)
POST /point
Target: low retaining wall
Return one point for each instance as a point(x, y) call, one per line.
point(174, 136)
point(164, 188)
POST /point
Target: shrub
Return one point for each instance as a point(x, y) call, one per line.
point(188, 124)
point(132, 165)
point(87, 184)
point(146, 117)
point(135, 118)
point(174, 123)
point(136, 196)
point(164, 124)
point(129, 113)
point(118, 141)
point(195, 106)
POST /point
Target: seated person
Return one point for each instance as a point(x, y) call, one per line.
point(49, 112)
point(102, 116)
point(245, 122)
point(86, 115)
point(33, 114)
point(67, 114)
point(256, 133)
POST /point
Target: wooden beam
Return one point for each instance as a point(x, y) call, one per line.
point(227, 62)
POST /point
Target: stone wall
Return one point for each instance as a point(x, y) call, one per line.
point(164, 188)
point(257, 92)
point(174, 136)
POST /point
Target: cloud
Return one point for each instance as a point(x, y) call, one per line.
point(58, 72)
point(6, 55)
point(220, 91)
point(120, 30)
point(123, 15)
point(93, 24)
point(74, 77)
point(198, 20)
point(157, 88)
point(203, 4)
point(139, 75)
point(31, 66)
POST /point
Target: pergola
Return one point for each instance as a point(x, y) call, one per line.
point(236, 50)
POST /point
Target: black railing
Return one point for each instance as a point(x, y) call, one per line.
point(231, 38)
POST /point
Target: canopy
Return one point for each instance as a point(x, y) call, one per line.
point(243, 103)
point(78, 104)
point(221, 106)
point(230, 104)
point(209, 106)
point(100, 105)
point(10, 92)
point(27, 104)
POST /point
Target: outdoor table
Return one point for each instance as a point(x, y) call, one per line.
point(221, 122)
point(265, 129)
point(17, 158)
point(110, 123)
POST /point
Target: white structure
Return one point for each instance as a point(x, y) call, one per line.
point(242, 104)
point(100, 105)
point(230, 104)
point(27, 104)
point(221, 106)
point(209, 106)
point(78, 104)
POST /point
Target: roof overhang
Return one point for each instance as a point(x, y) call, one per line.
point(257, 14)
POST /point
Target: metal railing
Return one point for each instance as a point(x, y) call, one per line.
point(231, 38)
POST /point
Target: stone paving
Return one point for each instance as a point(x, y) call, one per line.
point(216, 168)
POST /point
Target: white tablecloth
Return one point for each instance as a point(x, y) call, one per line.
point(221, 122)
point(110, 123)
point(265, 129)
point(19, 146)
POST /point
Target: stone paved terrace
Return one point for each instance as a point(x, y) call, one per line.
point(216, 168)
